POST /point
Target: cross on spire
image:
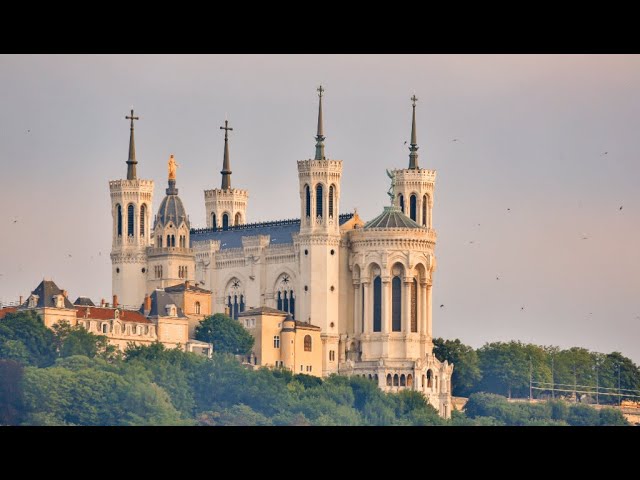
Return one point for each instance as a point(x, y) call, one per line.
point(320, 90)
point(226, 167)
point(413, 148)
point(131, 162)
point(414, 99)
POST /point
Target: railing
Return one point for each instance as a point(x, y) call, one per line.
point(157, 250)
point(343, 217)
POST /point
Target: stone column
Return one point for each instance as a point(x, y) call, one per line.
point(422, 308)
point(368, 325)
point(357, 308)
point(406, 304)
point(429, 311)
point(386, 305)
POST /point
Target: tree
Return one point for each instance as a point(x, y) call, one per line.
point(78, 341)
point(505, 367)
point(24, 338)
point(226, 334)
point(466, 370)
point(11, 394)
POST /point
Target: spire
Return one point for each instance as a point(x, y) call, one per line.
point(226, 168)
point(413, 148)
point(320, 136)
point(131, 163)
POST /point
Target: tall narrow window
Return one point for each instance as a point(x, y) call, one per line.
point(276, 341)
point(362, 308)
point(119, 220)
point(307, 200)
point(292, 305)
point(242, 303)
point(307, 343)
point(280, 301)
point(285, 301)
point(319, 200)
point(331, 193)
point(401, 201)
point(235, 307)
point(230, 306)
point(396, 304)
point(424, 210)
point(186, 272)
point(377, 304)
point(414, 306)
point(225, 222)
point(214, 223)
point(130, 220)
point(143, 216)
point(412, 207)
point(197, 308)
point(237, 221)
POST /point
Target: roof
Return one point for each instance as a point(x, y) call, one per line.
point(354, 222)
point(7, 310)
point(181, 287)
point(159, 301)
point(45, 291)
point(108, 313)
point(262, 311)
point(171, 209)
point(280, 231)
point(84, 301)
point(306, 325)
point(391, 217)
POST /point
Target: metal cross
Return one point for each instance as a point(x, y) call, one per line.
point(414, 99)
point(320, 90)
point(132, 118)
point(226, 128)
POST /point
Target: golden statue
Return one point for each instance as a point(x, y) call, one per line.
point(172, 168)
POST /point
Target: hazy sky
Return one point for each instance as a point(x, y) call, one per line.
point(532, 135)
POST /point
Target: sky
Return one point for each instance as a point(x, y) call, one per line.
point(546, 154)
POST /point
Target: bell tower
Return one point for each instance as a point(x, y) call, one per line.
point(225, 206)
point(319, 242)
point(414, 185)
point(131, 202)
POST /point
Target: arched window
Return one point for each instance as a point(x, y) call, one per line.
point(412, 207)
point(242, 304)
point(331, 193)
point(173, 240)
point(409, 380)
point(119, 219)
point(168, 240)
point(307, 343)
point(403, 380)
point(307, 200)
point(319, 201)
point(238, 218)
point(197, 308)
point(235, 307)
point(292, 305)
point(285, 301)
point(377, 304)
point(429, 378)
point(396, 304)
point(225, 222)
point(280, 301)
point(401, 202)
point(214, 223)
point(388, 380)
point(414, 306)
point(424, 210)
point(395, 380)
point(143, 216)
point(130, 220)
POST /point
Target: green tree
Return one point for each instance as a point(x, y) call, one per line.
point(77, 340)
point(11, 394)
point(505, 367)
point(466, 370)
point(226, 334)
point(583, 415)
point(24, 338)
point(612, 417)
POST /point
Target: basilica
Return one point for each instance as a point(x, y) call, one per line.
point(331, 292)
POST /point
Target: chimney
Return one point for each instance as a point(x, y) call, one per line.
point(115, 300)
point(102, 302)
point(65, 293)
point(147, 304)
point(20, 299)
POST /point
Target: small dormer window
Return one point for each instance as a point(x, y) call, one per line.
point(33, 301)
point(172, 310)
point(116, 313)
point(58, 301)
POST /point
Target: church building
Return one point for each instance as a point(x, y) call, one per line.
point(361, 291)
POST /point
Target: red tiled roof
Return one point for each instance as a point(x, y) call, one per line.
point(4, 311)
point(107, 313)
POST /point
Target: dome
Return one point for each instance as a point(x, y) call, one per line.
point(171, 209)
point(391, 217)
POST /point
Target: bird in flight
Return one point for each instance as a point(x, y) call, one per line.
point(442, 305)
point(584, 236)
point(28, 131)
point(497, 277)
point(620, 207)
point(454, 140)
point(521, 308)
point(69, 255)
point(405, 142)
point(508, 209)
point(605, 153)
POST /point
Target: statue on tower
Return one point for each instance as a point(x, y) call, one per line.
point(172, 168)
point(391, 192)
